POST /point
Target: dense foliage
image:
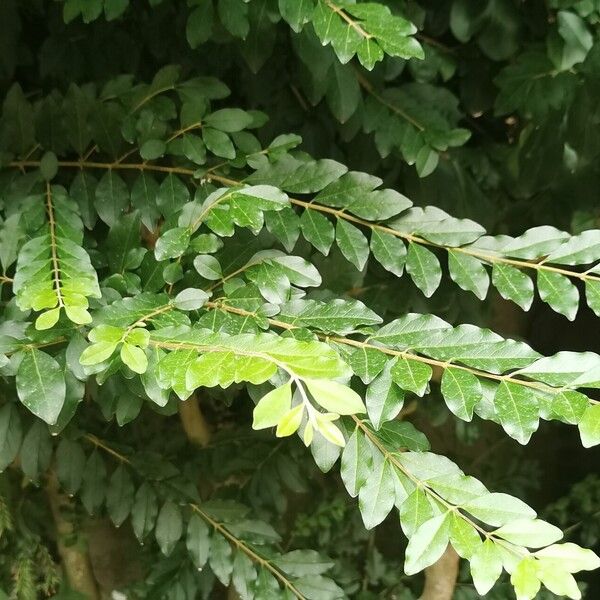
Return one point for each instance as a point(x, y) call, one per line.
point(214, 293)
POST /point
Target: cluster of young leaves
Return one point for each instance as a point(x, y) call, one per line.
point(175, 340)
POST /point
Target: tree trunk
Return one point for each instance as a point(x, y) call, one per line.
point(75, 560)
point(440, 578)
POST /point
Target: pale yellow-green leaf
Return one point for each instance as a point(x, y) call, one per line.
point(272, 407)
point(335, 397)
point(290, 422)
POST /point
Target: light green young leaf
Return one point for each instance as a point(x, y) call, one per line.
point(330, 431)
point(272, 407)
point(335, 397)
point(97, 353)
point(289, 423)
point(135, 358)
point(525, 579)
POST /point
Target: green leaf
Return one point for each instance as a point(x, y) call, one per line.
point(218, 142)
point(135, 358)
point(172, 244)
point(169, 527)
point(518, 410)
point(303, 562)
point(296, 13)
point(172, 195)
point(592, 294)
point(70, 465)
point(486, 567)
point(424, 268)
point(36, 452)
point(411, 375)
point(335, 316)
point(427, 544)
point(285, 226)
point(11, 434)
point(376, 497)
point(198, 540)
point(152, 149)
point(352, 243)
point(499, 509)
point(384, 398)
point(415, 511)
point(190, 299)
point(199, 23)
point(272, 407)
point(580, 249)
point(229, 120)
point(317, 230)
point(468, 273)
point(49, 166)
point(559, 293)
point(317, 587)
point(41, 385)
point(389, 250)
point(461, 391)
point(367, 363)
point(589, 427)
point(531, 533)
point(356, 463)
point(93, 490)
point(220, 558)
point(144, 511)
point(569, 557)
point(463, 537)
point(97, 353)
point(513, 284)
point(335, 397)
point(112, 198)
point(119, 495)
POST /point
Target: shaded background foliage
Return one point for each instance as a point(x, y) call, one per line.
point(505, 107)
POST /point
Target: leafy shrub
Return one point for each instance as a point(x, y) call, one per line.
point(165, 249)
